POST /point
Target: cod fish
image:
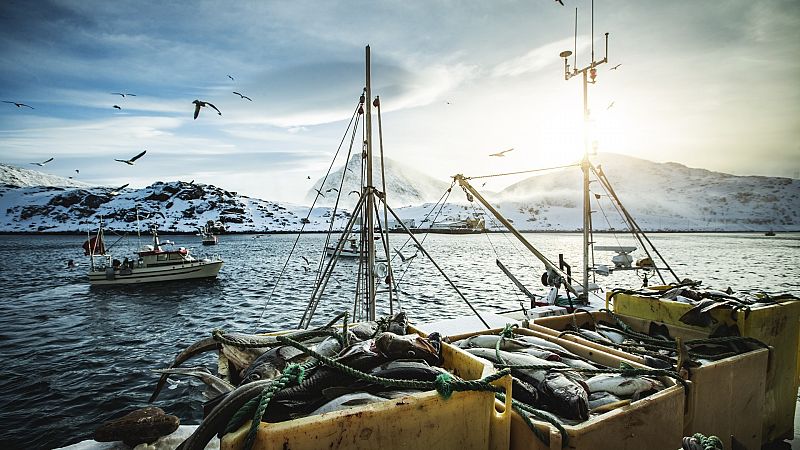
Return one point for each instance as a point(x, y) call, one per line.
point(412, 346)
point(622, 386)
point(199, 347)
point(560, 392)
point(598, 399)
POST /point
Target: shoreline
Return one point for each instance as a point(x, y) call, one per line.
point(191, 233)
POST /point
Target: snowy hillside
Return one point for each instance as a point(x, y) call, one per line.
point(16, 176)
point(405, 185)
point(661, 196)
point(174, 206)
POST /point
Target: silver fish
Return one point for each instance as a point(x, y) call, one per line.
point(216, 384)
point(490, 341)
point(622, 386)
point(597, 399)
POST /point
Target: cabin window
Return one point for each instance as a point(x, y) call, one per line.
point(175, 256)
point(161, 257)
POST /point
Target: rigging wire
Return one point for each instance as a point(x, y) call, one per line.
point(385, 228)
point(521, 172)
point(302, 227)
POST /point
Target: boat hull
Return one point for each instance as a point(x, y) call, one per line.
point(177, 272)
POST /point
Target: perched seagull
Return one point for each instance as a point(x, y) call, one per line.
point(41, 164)
point(610, 105)
point(131, 161)
point(243, 96)
point(123, 95)
point(19, 105)
point(501, 153)
point(199, 104)
point(615, 67)
point(117, 191)
point(117, 107)
point(231, 78)
point(331, 189)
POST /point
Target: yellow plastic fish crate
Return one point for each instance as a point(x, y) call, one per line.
point(777, 325)
point(466, 421)
point(722, 391)
point(654, 422)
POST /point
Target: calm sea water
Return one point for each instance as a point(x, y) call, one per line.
point(74, 356)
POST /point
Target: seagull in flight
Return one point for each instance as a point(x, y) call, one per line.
point(41, 164)
point(231, 78)
point(332, 189)
point(243, 96)
point(610, 105)
point(123, 95)
point(560, 2)
point(404, 258)
point(615, 67)
point(117, 191)
point(355, 192)
point(503, 153)
point(319, 192)
point(199, 104)
point(131, 161)
point(19, 105)
point(77, 171)
point(308, 177)
point(117, 107)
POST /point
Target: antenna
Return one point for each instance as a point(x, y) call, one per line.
point(575, 41)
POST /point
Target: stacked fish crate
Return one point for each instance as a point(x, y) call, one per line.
point(722, 388)
point(646, 413)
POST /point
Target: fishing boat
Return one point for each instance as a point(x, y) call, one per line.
point(207, 237)
point(471, 225)
point(151, 264)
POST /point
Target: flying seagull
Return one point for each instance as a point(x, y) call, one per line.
point(615, 67)
point(355, 192)
point(77, 171)
point(199, 104)
point(19, 105)
point(319, 192)
point(560, 2)
point(308, 177)
point(123, 95)
point(41, 164)
point(404, 258)
point(132, 161)
point(231, 78)
point(332, 189)
point(501, 153)
point(243, 96)
point(117, 191)
point(117, 107)
point(610, 105)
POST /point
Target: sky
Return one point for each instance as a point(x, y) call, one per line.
point(706, 84)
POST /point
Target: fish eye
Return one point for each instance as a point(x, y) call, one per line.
point(410, 353)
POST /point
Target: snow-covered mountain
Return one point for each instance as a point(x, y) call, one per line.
point(404, 185)
point(17, 176)
point(661, 196)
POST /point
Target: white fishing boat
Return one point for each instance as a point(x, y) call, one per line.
point(151, 264)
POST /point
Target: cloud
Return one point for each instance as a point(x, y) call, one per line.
point(538, 58)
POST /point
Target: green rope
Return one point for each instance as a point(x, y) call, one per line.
point(507, 333)
point(293, 372)
point(527, 411)
point(708, 442)
point(221, 337)
point(444, 385)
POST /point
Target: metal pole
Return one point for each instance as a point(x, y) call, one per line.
point(585, 169)
point(549, 264)
point(369, 200)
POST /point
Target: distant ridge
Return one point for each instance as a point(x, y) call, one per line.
point(19, 177)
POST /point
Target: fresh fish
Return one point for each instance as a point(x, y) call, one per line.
point(199, 347)
point(577, 363)
point(394, 346)
point(611, 406)
point(216, 384)
point(490, 341)
point(541, 343)
point(592, 335)
point(612, 334)
point(560, 392)
point(348, 401)
point(270, 364)
point(364, 330)
point(398, 323)
point(622, 386)
point(398, 393)
point(600, 398)
point(659, 331)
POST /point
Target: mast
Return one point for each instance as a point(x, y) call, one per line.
point(589, 73)
point(368, 193)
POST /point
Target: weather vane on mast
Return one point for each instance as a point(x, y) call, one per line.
point(589, 76)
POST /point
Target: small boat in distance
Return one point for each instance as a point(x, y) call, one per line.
point(769, 233)
point(207, 236)
point(471, 225)
point(152, 264)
